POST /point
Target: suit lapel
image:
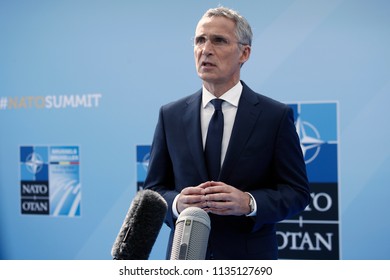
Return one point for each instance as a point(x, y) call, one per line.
point(191, 125)
point(247, 115)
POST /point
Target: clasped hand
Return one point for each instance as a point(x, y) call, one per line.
point(215, 197)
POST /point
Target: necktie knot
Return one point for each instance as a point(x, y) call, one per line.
point(217, 103)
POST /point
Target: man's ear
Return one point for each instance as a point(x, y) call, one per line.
point(246, 52)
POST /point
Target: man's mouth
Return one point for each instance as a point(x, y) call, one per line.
point(207, 64)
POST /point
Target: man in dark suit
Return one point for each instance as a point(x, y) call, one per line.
point(260, 177)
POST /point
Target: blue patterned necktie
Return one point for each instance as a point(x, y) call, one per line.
point(214, 141)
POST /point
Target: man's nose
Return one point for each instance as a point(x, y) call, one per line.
point(207, 48)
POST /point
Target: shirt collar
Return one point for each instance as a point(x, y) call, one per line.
point(232, 96)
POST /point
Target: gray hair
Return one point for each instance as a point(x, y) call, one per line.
point(243, 30)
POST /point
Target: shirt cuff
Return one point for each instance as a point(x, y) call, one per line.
point(174, 208)
point(254, 212)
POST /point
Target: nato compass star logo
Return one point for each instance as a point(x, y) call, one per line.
point(145, 161)
point(34, 163)
point(310, 139)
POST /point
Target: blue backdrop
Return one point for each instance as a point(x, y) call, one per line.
point(93, 74)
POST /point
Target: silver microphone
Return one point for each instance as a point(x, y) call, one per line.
point(191, 235)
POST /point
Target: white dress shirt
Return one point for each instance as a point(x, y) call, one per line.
point(229, 110)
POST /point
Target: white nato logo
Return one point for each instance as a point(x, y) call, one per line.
point(310, 139)
point(34, 163)
point(145, 161)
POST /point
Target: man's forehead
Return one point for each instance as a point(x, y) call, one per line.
point(217, 25)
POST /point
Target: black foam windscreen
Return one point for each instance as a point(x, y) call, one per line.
point(141, 227)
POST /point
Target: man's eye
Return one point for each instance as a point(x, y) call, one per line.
point(199, 40)
point(220, 41)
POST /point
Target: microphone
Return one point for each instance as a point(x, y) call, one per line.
point(191, 235)
point(141, 226)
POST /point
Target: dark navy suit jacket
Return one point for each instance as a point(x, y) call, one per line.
point(263, 157)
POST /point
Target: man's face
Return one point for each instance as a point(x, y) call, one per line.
point(218, 55)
